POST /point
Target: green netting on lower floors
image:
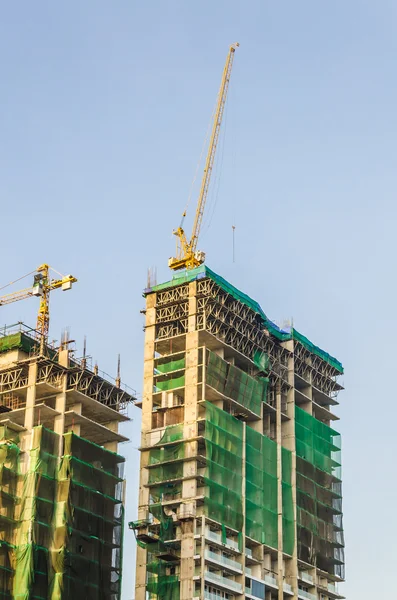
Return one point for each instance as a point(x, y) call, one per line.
point(87, 548)
point(261, 522)
point(317, 443)
point(165, 491)
point(170, 384)
point(223, 472)
point(166, 366)
point(319, 518)
point(167, 528)
point(166, 454)
point(288, 505)
point(160, 583)
point(172, 433)
point(234, 383)
point(34, 533)
point(166, 472)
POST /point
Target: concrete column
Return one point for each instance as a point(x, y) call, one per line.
point(288, 440)
point(60, 401)
point(75, 427)
point(147, 406)
point(112, 446)
point(31, 396)
point(189, 485)
point(280, 561)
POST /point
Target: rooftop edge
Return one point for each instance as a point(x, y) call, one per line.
point(203, 272)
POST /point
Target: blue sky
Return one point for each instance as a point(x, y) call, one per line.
point(104, 109)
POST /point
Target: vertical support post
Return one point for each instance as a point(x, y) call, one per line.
point(288, 440)
point(147, 406)
point(280, 560)
point(189, 485)
point(60, 399)
point(31, 396)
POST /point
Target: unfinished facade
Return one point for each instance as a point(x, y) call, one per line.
point(61, 479)
point(240, 483)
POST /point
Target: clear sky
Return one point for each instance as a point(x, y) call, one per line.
point(104, 108)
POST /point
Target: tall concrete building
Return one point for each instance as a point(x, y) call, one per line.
point(61, 478)
point(240, 483)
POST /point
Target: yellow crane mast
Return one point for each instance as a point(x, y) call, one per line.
point(42, 286)
point(187, 255)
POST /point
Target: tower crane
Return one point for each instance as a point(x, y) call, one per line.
point(42, 286)
point(187, 255)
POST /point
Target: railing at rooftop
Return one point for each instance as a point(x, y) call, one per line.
point(51, 351)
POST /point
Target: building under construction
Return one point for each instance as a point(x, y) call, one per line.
point(61, 478)
point(240, 481)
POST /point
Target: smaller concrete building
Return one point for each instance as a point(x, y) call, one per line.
point(61, 477)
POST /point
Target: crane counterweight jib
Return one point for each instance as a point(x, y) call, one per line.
point(42, 286)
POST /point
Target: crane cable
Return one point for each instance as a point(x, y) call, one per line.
point(201, 157)
point(213, 200)
point(16, 280)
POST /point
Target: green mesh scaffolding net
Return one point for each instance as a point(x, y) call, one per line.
point(223, 473)
point(234, 383)
point(166, 365)
point(165, 475)
point(288, 506)
point(222, 476)
point(319, 494)
point(261, 488)
point(62, 524)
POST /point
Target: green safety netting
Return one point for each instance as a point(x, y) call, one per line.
point(170, 384)
point(160, 583)
point(166, 366)
point(288, 505)
point(167, 472)
point(262, 361)
point(62, 538)
point(317, 443)
point(234, 383)
point(167, 527)
point(167, 454)
point(319, 494)
point(319, 519)
point(223, 473)
point(172, 433)
point(9, 479)
point(261, 488)
point(33, 568)
point(203, 271)
point(88, 522)
point(17, 341)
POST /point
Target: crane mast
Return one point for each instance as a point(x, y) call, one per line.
point(187, 256)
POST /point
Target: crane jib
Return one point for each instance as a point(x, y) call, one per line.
point(187, 255)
